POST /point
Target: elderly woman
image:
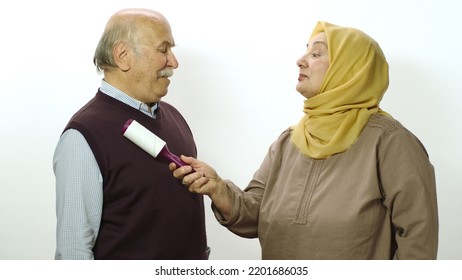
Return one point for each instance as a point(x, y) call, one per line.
point(347, 182)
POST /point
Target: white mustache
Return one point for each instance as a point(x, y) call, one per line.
point(165, 73)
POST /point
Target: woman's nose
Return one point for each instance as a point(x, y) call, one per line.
point(301, 62)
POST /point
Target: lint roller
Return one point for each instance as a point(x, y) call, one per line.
point(149, 142)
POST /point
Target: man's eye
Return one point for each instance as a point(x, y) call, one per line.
point(164, 50)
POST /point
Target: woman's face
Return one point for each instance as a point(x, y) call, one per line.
point(313, 66)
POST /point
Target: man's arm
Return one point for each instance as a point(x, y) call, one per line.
point(79, 197)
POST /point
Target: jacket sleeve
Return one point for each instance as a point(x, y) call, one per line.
point(408, 183)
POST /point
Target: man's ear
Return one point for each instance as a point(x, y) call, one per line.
point(120, 52)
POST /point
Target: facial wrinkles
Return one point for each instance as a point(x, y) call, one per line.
point(159, 52)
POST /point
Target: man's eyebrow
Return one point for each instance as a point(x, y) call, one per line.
point(167, 44)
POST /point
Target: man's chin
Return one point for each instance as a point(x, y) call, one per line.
point(162, 93)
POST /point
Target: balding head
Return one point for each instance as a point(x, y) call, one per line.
point(124, 26)
point(134, 15)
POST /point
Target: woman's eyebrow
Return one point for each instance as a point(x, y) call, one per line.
point(318, 42)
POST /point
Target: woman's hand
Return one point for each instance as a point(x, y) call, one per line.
point(203, 179)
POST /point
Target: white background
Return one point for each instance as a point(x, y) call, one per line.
point(235, 86)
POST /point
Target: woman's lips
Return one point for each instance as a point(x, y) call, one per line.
point(302, 77)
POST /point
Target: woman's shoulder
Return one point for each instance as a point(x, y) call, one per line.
point(285, 135)
point(282, 141)
point(393, 132)
point(386, 124)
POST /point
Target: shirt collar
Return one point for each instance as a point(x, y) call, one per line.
point(115, 93)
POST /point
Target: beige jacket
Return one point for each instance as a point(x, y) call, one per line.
point(376, 200)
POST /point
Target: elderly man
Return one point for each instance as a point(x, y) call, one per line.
point(114, 201)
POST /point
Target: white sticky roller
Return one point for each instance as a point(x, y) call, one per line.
point(149, 142)
point(143, 138)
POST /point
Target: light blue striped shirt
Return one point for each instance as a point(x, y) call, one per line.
point(79, 187)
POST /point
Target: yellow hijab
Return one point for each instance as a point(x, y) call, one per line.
point(352, 88)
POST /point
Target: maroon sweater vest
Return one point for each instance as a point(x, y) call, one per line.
point(147, 213)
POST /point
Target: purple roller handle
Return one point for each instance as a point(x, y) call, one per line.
point(126, 125)
point(166, 154)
